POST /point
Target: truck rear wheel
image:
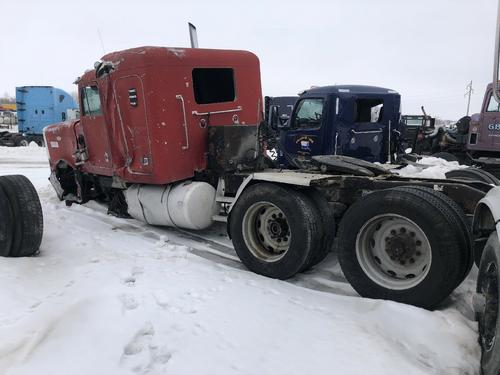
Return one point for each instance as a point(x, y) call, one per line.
point(487, 313)
point(458, 222)
point(274, 230)
point(26, 215)
point(394, 246)
point(327, 220)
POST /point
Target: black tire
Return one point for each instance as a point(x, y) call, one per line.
point(21, 141)
point(489, 324)
point(431, 219)
point(26, 214)
point(445, 155)
point(327, 220)
point(473, 174)
point(459, 223)
point(6, 224)
point(299, 216)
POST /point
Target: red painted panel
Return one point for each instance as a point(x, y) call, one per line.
point(167, 125)
point(134, 123)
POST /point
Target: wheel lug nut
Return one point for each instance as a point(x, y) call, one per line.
point(418, 243)
point(403, 230)
point(412, 260)
point(393, 232)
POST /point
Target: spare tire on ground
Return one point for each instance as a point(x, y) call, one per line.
point(25, 215)
point(6, 222)
point(403, 246)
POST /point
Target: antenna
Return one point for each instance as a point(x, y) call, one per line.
point(193, 35)
point(102, 43)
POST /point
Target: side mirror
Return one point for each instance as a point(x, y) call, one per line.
point(496, 86)
point(284, 118)
point(273, 117)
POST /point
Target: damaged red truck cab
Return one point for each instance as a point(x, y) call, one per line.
point(145, 117)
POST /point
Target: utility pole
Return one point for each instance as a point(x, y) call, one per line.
point(468, 93)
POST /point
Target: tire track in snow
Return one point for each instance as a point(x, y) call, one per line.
point(324, 278)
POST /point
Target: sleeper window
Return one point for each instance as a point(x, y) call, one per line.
point(213, 85)
point(369, 110)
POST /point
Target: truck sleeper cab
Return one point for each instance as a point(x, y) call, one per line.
point(146, 116)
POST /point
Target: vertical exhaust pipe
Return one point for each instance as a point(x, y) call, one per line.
point(193, 35)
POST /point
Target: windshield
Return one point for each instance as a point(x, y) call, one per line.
point(309, 113)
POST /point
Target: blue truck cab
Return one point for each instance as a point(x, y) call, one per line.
point(39, 106)
point(356, 121)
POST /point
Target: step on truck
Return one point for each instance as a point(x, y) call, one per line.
point(177, 137)
point(37, 107)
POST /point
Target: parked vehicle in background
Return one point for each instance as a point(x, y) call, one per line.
point(486, 231)
point(355, 121)
point(37, 107)
point(8, 107)
point(8, 119)
point(284, 106)
point(414, 130)
point(486, 301)
point(474, 140)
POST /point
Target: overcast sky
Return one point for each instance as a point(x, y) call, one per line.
point(428, 50)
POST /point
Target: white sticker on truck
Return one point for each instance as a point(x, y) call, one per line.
point(54, 144)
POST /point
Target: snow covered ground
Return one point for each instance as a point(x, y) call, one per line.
point(114, 296)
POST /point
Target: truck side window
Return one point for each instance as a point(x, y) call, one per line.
point(309, 113)
point(369, 110)
point(213, 85)
point(91, 103)
point(493, 106)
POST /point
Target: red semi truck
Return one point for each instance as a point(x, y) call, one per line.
point(177, 137)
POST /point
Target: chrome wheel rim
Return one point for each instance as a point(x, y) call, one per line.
point(266, 232)
point(393, 251)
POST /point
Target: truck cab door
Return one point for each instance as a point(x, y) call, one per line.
point(304, 135)
point(95, 132)
point(489, 134)
point(131, 103)
point(362, 129)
